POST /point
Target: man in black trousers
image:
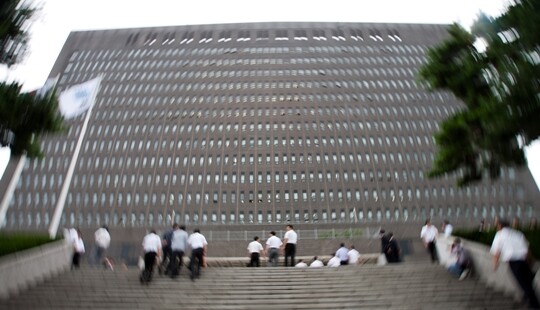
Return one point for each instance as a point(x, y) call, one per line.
point(510, 245)
point(289, 243)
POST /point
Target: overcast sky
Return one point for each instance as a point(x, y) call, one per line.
point(59, 17)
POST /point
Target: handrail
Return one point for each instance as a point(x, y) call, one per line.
point(304, 234)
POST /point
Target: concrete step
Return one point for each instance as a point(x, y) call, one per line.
point(401, 286)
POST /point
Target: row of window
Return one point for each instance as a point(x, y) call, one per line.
point(160, 88)
point(206, 68)
point(332, 92)
point(172, 103)
point(338, 126)
point(301, 96)
point(91, 163)
point(107, 55)
point(393, 74)
point(94, 163)
point(395, 80)
point(222, 178)
point(90, 219)
point(268, 142)
point(169, 38)
point(224, 197)
point(157, 111)
point(227, 162)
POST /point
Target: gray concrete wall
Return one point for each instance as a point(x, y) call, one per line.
point(24, 269)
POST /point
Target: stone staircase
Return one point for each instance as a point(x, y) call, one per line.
point(409, 285)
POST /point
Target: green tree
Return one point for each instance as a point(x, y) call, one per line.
point(14, 17)
point(24, 117)
point(499, 86)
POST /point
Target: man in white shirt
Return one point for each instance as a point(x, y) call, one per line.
point(199, 247)
point(152, 249)
point(429, 236)
point(289, 242)
point(510, 245)
point(255, 249)
point(447, 228)
point(272, 246)
point(343, 254)
point(103, 240)
point(179, 239)
point(316, 262)
point(334, 261)
point(73, 235)
point(354, 256)
point(78, 249)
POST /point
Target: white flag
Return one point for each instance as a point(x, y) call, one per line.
point(79, 98)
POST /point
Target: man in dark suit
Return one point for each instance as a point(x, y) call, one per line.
point(393, 252)
point(384, 242)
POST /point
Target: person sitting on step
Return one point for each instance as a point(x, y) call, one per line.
point(316, 263)
point(334, 261)
point(301, 264)
point(462, 266)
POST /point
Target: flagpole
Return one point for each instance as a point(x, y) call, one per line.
point(11, 189)
point(55, 222)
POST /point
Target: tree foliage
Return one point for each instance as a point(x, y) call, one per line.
point(24, 117)
point(499, 86)
point(15, 17)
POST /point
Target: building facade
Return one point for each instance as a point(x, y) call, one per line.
point(256, 124)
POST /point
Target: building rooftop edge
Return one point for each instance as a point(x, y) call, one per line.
point(263, 25)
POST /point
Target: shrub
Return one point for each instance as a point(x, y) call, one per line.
point(10, 243)
point(340, 234)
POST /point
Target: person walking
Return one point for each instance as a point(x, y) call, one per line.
point(384, 242)
point(447, 228)
point(166, 242)
point(152, 250)
point(509, 245)
point(393, 252)
point(199, 247)
point(78, 249)
point(272, 246)
point(289, 244)
point(429, 237)
point(102, 240)
point(255, 249)
point(179, 241)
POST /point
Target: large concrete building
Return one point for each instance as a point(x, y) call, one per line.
point(258, 123)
